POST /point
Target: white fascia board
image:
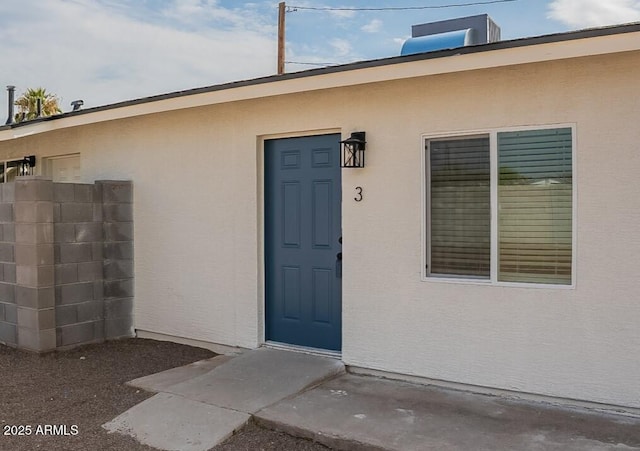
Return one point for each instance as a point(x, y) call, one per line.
point(517, 55)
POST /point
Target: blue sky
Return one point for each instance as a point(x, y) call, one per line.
point(105, 51)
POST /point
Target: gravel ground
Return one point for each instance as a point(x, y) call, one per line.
point(81, 389)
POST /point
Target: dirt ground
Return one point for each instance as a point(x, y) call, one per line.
point(79, 390)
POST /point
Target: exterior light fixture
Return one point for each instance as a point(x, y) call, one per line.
point(353, 150)
point(27, 165)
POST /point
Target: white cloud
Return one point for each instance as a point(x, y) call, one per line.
point(342, 14)
point(400, 40)
point(341, 47)
point(593, 13)
point(372, 27)
point(105, 51)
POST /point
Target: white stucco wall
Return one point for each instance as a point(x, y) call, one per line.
point(198, 249)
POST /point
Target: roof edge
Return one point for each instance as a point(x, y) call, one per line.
point(499, 45)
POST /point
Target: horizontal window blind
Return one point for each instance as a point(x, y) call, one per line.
point(460, 207)
point(535, 197)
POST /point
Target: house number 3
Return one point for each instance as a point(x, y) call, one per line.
point(358, 198)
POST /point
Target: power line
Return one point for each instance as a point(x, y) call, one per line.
point(311, 64)
point(284, 8)
point(397, 8)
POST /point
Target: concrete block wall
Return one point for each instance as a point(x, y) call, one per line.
point(66, 263)
point(78, 240)
point(33, 253)
point(8, 306)
point(117, 221)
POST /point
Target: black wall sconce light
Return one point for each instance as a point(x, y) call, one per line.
point(27, 165)
point(353, 150)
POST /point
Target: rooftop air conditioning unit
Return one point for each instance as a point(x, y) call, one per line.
point(450, 34)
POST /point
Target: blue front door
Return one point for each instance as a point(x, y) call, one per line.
point(303, 251)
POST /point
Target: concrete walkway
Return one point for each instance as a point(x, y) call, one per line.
point(202, 404)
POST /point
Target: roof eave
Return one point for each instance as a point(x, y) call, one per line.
point(291, 82)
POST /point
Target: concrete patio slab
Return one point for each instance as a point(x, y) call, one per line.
point(259, 378)
point(202, 404)
point(169, 422)
point(159, 382)
point(356, 412)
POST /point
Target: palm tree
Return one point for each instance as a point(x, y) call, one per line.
point(27, 104)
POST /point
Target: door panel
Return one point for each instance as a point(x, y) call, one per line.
point(302, 241)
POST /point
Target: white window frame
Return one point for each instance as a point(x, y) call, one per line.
point(493, 158)
point(47, 162)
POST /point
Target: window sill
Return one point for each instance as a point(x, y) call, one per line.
point(487, 282)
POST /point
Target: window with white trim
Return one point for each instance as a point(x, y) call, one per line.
point(500, 206)
point(10, 169)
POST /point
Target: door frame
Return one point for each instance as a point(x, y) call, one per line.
point(262, 299)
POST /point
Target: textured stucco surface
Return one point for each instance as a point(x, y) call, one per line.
point(198, 227)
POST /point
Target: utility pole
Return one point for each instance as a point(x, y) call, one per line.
point(281, 11)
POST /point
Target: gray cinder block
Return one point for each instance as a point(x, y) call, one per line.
point(7, 252)
point(64, 232)
point(116, 191)
point(37, 340)
point(8, 333)
point(11, 313)
point(97, 193)
point(88, 231)
point(118, 250)
point(74, 293)
point(98, 329)
point(89, 271)
point(118, 231)
point(35, 276)
point(76, 212)
point(7, 292)
point(9, 272)
point(98, 290)
point(119, 328)
point(90, 311)
point(118, 269)
point(9, 232)
point(66, 315)
point(83, 192)
point(117, 308)
point(33, 233)
point(56, 212)
point(63, 192)
point(66, 273)
point(6, 212)
point(33, 254)
point(36, 319)
point(117, 212)
point(35, 297)
point(118, 289)
point(97, 252)
point(75, 252)
point(97, 212)
point(38, 211)
point(8, 192)
point(26, 190)
point(77, 333)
